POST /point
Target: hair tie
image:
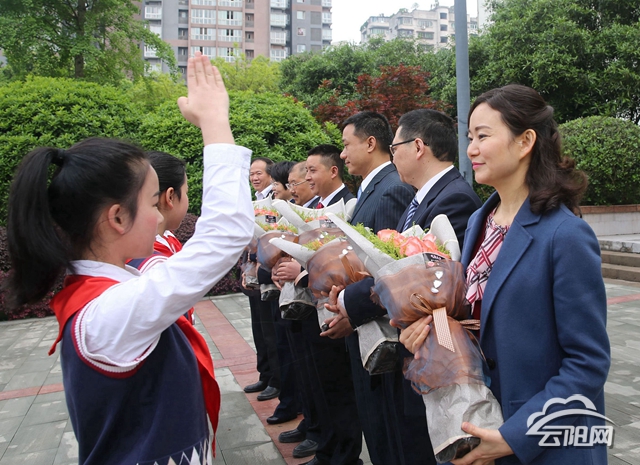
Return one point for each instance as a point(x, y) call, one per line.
point(58, 157)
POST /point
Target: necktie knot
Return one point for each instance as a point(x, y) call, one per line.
point(319, 205)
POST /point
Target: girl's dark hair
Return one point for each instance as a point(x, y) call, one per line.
point(552, 178)
point(279, 172)
point(52, 219)
point(171, 171)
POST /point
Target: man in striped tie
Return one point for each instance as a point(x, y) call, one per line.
point(423, 150)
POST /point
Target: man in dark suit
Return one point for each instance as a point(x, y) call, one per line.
point(424, 149)
point(382, 200)
point(324, 368)
point(324, 174)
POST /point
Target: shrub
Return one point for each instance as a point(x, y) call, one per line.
point(607, 149)
point(57, 112)
point(37, 310)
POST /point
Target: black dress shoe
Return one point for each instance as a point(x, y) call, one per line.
point(269, 393)
point(256, 387)
point(305, 449)
point(274, 420)
point(295, 435)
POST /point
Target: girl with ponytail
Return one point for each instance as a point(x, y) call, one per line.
point(138, 377)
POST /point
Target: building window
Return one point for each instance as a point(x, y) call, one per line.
point(279, 20)
point(443, 27)
point(203, 16)
point(149, 51)
point(278, 54)
point(204, 2)
point(425, 24)
point(230, 35)
point(203, 33)
point(378, 31)
point(405, 33)
point(183, 16)
point(228, 53)
point(156, 29)
point(249, 54)
point(278, 37)
point(404, 20)
point(443, 16)
point(206, 51)
point(183, 51)
point(153, 12)
point(302, 31)
point(326, 34)
point(326, 18)
point(233, 3)
point(300, 1)
point(300, 14)
point(279, 3)
point(302, 48)
point(229, 18)
point(425, 35)
point(443, 39)
point(183, 70)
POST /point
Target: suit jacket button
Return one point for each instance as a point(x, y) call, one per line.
point(491, 363)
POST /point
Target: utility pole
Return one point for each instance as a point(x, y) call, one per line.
point(463, 88)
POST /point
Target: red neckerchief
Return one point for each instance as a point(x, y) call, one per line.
point(79, 290)
point(174, 246)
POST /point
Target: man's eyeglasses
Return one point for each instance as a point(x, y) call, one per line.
point(392, 147)
point(294, 184)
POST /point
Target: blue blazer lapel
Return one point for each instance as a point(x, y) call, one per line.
point(476, 228)
point(370, 188)
point(516, 243)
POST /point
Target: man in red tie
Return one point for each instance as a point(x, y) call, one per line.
point(324, 173)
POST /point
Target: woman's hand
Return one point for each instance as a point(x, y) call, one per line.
point(492, 446)
point(415, 334)
point(207, 104)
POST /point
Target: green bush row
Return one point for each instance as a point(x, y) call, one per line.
point(60, 112)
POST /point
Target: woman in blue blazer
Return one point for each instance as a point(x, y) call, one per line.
point(534, 277)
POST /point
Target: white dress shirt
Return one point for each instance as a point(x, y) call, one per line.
point(327, 200)
point(263, 194)
point(122, 326)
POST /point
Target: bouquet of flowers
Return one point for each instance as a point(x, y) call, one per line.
point(327, 262)
point(307, 219)
point(264, 212)
point(450, 373)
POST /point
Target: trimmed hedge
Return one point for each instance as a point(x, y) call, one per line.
point(608, 150)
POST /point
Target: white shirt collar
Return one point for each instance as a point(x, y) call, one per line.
point(424, 190)
point(370, 176)
point(264, 193)
point(306, 205)
point(106, 270)
point(327, 200)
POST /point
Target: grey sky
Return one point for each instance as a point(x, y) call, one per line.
point(349, 15)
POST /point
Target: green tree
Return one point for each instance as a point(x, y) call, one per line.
point(581, 55)
point(94, 39)
point(257, 75)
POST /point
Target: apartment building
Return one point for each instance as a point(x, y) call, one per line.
point(434, 28)
point(228, 28)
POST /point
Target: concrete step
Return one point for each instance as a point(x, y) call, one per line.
point(625, 273)
point(621, 258)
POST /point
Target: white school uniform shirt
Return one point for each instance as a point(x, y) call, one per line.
point(122, 326)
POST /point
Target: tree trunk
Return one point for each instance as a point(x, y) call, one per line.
point(78, 60)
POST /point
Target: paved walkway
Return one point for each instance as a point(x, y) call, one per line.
point(35, 430)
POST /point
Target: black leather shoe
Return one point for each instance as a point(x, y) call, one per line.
point(269, 393)
point(315, 461)
point(305, 449)
point(256, 387)
point(294, 435)
point(274, 420)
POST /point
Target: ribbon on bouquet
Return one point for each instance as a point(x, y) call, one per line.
point(440, 321)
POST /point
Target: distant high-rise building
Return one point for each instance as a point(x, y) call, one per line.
point(228, 28)
point(434, 28)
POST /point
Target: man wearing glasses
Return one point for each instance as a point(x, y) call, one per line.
point(299, 186)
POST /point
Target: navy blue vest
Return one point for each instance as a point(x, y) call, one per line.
point(154, 414)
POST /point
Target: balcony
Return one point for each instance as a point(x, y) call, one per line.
point(236, 39)
point(326, 3)
point(233, 3)
point(279, 22)
point(248, 23)
point(326, 19)
point(203, 37)
point(278, 40)
point(279, 3)
point(229, 22)
point(150, 15)
point(149, 52)
point(249, 5)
